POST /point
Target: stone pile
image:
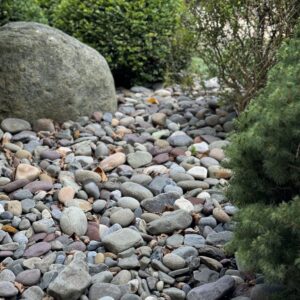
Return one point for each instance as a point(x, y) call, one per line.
point(124, 206)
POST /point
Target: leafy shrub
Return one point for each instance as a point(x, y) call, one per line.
point(238, 40)
point(265, 158)
point(134, 36)
point(21, 10)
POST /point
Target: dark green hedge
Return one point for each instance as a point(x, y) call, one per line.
point(21, 10)
point(136, 37)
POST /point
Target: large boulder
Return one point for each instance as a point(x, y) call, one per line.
point(47, 73)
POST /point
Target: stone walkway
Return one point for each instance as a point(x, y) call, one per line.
point(119, 206)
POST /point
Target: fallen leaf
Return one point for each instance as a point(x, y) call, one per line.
point(20, 287)
point(76, 134)
point(152, 100)
point(102, 174)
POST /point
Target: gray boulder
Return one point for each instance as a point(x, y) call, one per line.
point(214, 290)
point(72, 281)
point(47, 73)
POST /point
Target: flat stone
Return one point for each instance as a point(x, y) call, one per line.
point(179, 139)
point(29, 277)
point(100, 289)
point(174, 293)
point(211, 263)
point(136, 191)
point(195, 240)
point(173, 261)
point(113, 161)
point(168, 223)
point(159, 203)
point(139, 159)
point(219, 238)
point(14, 125)
point(73, 220)
point(124, 217)
point(7, 275)
point(212, 291)
point(84, 205)
point(128, 202)
point(85, 175)
point(36, 186)
point(122, 240)
point(7, 289)
point(37, 249)
point(220, 215)
point(65, 194)
point(28, 172)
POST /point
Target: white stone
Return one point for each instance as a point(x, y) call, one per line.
point(184, 204)
point(200, 147)
point(73, 220)
point(198, 172)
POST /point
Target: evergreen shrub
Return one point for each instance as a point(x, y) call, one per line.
point(265, 158)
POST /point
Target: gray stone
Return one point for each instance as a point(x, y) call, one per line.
point(122, 277)
point(212, 291)
point(122, 240)
point(72, 281)
point(170, 222)
point(73, 220)
point(123, 216)
point(128, 202)
point(179, 139)
point(173, 261)
point(174, 293)
point(105, 276)
point(160, 202)
point(136, 191)
point(14, 125)
point(265, 291)
point(195, 240)
point(7, 275)
point(139, 159)
point(186, 252)
point(64, 78)
point(7, 289)
point(99, 290)
point(219, 238)
point(29, 277)
point(206, 276)
point(33, 293)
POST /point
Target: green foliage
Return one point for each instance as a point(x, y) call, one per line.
point(21, 10)
point(265, 159)
point(265, 152)
point(268, 239)
point(238, 40)
point(136, 37)
point(48, 7)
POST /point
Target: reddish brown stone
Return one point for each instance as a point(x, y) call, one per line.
point(93, 231)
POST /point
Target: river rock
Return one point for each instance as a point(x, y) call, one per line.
point(73, 220)
point(170, 222)
point(74, 79)
point(212, 291)
point(136, 191)
point(72, 281)
point(122, 240)
point(113, 161)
